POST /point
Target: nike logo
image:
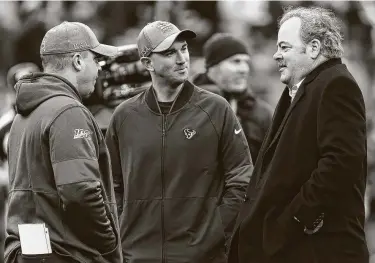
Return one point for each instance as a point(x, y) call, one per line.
point(237, 131)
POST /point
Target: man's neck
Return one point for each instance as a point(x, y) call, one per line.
point(316, 63)
point(319, 61)
point(66, 74)
point(166, 93)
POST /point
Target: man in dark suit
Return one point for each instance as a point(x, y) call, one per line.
point(304, 202)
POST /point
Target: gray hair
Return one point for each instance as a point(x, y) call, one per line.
point(58, 62)
point(318, 23)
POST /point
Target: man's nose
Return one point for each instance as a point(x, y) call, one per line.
point(180, 58)
point(277, 55)
point(243, 67)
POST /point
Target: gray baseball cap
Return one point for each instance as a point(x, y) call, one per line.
point(158, 36)
point(69, 37)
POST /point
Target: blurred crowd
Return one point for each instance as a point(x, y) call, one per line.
point(24, 23)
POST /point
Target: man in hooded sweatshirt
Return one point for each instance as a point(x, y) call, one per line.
point(59, 169)
point(227, 62)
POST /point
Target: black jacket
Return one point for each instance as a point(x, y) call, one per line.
point(59, 173)
point(312, 162)
point(179, 178)
point(254, 114)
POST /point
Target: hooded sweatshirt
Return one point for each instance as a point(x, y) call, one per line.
point(59, 173)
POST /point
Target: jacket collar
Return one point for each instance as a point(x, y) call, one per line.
point(300, 93)
point(311, 76)
point(315, 72)
point(182, 99)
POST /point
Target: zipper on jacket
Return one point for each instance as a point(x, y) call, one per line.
point(164, 124)
point(162, 186)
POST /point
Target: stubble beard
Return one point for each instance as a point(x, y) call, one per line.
point(175, 81)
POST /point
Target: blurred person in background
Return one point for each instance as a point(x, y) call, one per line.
point(56, 171)
point(308, 185)
point(9, 25)
point(203, 16)
point(227, 73)
point(33, 27)
point(370, 191)
point(6, 119)
point(135, 15)
point(3, 198)
point(180, 160)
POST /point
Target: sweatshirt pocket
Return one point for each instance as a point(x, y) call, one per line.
point(194, 226)
point(141, 230)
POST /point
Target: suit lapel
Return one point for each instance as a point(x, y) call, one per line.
point(282, 114)
point(276, 126)
point(297, 98)
point(277, 118)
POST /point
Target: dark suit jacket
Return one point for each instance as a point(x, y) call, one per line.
point(312, 161)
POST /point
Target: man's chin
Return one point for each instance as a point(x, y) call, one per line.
point(237, 88)
point(87, 94)
point(284, 80)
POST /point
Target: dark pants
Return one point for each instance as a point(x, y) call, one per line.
point(48, 258)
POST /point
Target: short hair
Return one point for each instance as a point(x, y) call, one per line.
point(318, 23)
point(58, 62)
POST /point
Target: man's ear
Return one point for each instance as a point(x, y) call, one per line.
point(314, 48)
point(147, 63)
point(78, 62)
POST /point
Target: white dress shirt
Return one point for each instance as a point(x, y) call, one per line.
point(293, 90)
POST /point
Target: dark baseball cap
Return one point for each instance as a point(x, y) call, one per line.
point(69, 37)
point(221, 46)
point(158, 36)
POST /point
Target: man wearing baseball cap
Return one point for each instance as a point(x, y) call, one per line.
point(180, 160)
point(227, 73)
point(59, 169)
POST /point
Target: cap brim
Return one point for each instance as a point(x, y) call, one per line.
point(167, 43)
point(106, 50)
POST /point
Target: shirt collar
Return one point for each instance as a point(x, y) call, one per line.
point(293, 90)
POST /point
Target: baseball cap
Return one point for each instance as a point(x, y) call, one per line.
point(69, 37)
point(158, 36)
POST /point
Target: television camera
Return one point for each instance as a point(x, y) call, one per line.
point(121, 77)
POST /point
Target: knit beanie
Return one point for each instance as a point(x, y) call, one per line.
point(221, 46)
